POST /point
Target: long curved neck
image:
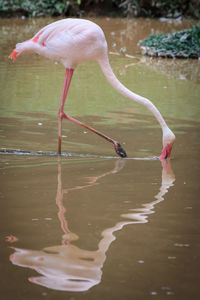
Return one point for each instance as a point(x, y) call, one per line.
point(106, 68)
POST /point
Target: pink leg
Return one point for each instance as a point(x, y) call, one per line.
point(68, 76)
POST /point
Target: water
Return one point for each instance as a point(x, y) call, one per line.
point(90, 225)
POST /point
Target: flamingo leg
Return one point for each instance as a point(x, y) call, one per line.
point(67, 80)
point(68, 76)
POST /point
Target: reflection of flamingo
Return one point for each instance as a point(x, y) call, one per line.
point(72, 41)
point(67, 267)
point(60, 193)
point(168, 178)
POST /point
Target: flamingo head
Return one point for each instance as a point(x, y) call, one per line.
point(13, 56)
point(168, 141)
point(166, 151)
point(20, 48)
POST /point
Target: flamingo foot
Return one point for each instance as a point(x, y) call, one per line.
point(119, 150)
point(166, 152)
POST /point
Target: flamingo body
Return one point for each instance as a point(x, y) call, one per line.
point(73, 41)
point(70, 41)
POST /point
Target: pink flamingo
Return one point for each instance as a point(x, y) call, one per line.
point(73, 41)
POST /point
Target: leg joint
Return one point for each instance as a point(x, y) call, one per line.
point(62, 115)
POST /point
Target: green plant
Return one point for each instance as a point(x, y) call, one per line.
point(184, 43)
point(40, 8)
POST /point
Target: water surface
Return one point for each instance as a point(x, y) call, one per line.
point(90, 225)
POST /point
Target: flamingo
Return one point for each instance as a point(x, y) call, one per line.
point(73, 41)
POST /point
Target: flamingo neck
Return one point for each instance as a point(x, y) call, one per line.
point(107, 70)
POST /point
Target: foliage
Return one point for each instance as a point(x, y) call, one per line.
point(160, 8)
point(184, 43)
point(132, 8)
point(39, 8)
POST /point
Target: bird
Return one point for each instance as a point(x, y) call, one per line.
point(72, 41)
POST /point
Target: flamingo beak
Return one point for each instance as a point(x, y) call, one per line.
point(166, 152)
point(13, 55)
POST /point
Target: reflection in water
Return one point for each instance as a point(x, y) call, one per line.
point(140, 215)
point(60, 193)
point(67, 267)
point(184, 69)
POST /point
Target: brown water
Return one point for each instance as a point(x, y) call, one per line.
point(90, 225)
